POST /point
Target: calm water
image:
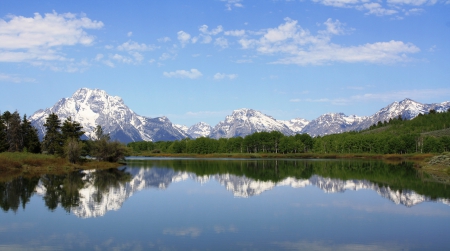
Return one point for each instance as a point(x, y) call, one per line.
point(191, 204)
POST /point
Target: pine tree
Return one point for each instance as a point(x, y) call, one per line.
point(52, 142)
point(3, 143)
point(14, 134)
point(30, 137)
point(71, 129)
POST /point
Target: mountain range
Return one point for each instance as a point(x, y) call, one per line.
point(92, 107)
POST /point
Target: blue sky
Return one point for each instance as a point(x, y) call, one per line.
point(199, 60)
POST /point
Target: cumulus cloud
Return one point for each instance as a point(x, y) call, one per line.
point(164, 39)
point(134, 46)
point(235, 33)
point(221, 42)
point(183, 37)
point(39, 38)
point(220, 76)
point(192, 74)
point(204, 29)
point(229, 4)
point(378, 8)
point(296, 45)
point(122, 59)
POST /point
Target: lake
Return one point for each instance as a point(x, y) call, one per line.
point(228, 204)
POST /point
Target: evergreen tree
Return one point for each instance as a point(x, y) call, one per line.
point(30, 137)
point(14, 133)
point(71, 129)
point(52, 142)
point(3, 142)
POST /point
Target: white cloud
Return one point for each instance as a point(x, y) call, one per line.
point(138, 57)
point(134, 46)
point(122, 59)
point(15, 79)
point(414, 11)
point(233, 3)
point(204, 29)
point(376, 9)
point(220, 76)
point(99, 57)
point(235, 33)
point(192, 74)
point(412, 2)
point(371, 8)
point(206, 39)
point(183, 37)
point(166, 56)
point(296, 45)
point(109, 63)
point(222, 42)
point(164, 39)
point(129, 34)
point(32, 38)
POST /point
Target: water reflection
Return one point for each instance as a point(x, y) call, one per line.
point(93, 193)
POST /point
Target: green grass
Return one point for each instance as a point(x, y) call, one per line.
point(29, 163)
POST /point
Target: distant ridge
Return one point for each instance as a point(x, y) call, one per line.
point(92, 107)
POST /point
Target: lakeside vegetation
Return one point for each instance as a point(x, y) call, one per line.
point(395, 140)
point(61, 149)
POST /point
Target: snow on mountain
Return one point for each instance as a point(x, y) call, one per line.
point(92, 107)
point(332, 123)
point(244, 121)
point(93, 204)
point(181, 128)
point(406, 108)
point(296, 125)
point(200, 129)
point(338, 122)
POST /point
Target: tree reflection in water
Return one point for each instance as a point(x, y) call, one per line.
point(63, 190)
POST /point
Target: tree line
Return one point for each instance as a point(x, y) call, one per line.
point(61, 139)
point(388, 137)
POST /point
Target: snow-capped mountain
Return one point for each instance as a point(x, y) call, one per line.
point(338, 122)
point(200, 129)
point(244, 121)
point(332, 123)
point(296, 125)
point(92, 107)
point(407, 108)
point(241, 186)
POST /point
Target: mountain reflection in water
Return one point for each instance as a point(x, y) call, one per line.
point(93, 193)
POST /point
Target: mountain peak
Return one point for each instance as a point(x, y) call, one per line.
point(92, 107)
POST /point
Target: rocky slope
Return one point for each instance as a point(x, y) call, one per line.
point(244, 121)
point(92, 107)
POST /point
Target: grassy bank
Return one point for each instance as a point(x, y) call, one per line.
point(34, 164)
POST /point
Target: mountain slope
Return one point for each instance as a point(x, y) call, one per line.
point(200, 129)
point(92, 107)
point(244, 121)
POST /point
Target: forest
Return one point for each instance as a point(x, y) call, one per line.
point(427, 133)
